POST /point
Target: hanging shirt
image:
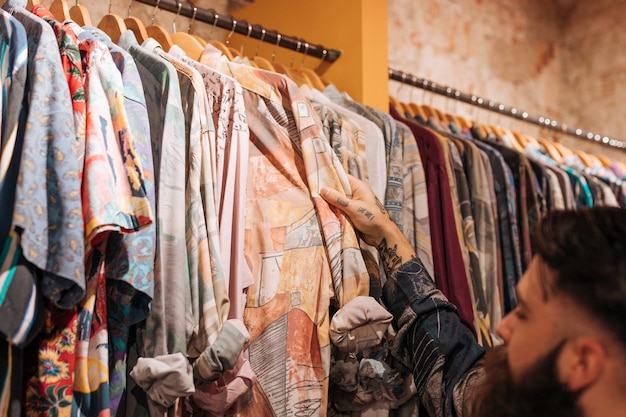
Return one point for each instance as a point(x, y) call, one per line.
point(509, 235)
point(165, 328)
point(47, 196)
point(449, 266)
point(17, 304)
point(231, 171)
point(478, 175)
point(374, 144)
point(58, 335)
point(48, 190)
point(346, 140)
point(469, 235)
point(528, 206)
point(115, 202)
point(130, 257)
point(415, 206)
point(209, 295)
point(301, 252)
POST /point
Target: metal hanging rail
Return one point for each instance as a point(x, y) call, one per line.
point(502, 109)
point(242, 27)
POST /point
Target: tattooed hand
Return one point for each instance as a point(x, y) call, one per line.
point(370, 218)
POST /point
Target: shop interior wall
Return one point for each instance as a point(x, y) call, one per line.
point(560, 59)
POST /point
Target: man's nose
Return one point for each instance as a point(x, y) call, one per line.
point(504, 329)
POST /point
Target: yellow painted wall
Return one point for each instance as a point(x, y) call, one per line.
point(356, 27)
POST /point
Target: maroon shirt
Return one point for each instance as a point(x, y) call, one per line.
point(450, 274)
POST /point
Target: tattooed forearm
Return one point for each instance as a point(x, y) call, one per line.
point(389, 257)
point(365, 212)
point(342, 201)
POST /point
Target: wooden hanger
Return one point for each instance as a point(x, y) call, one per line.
point(184, 40)
point(60, 10)
point(161, 35)
point(442, 117)
point(80, 15)
point(137, 27)
point(406, 109)
point(188, 43)
point(395, 103)
point(564, 150)
point(112, 25)
point(584, 158)
point(464, 122)
point(486, 128)
point(428, 112)
point(521, 139)
point(515, 143)
point(552, 151)
point(604, 160)
point(200, 40)
point(315, 79)
point(158, 33)
point(264, 63)
point(223, 49)
point(280, 68)
point(418, 111)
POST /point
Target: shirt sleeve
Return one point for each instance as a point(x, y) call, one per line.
point(431, 340)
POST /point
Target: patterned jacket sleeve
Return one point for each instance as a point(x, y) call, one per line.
point(431, 341)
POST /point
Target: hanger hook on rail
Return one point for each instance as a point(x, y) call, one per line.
point(231, 32)
point(193, 17)
point(179, 5)
point(324, 54)
point(156, 8)
point(278, 37)
point(245, 39)
point(293, 57)
point(263, 32)
point(306, 51)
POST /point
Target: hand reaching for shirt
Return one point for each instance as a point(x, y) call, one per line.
point(370, 218)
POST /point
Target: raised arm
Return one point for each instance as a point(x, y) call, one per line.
point(370, 218)
point(431, 340)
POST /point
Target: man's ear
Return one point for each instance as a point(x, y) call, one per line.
point(581, 362)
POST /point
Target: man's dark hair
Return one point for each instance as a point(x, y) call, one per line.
point(587, 250)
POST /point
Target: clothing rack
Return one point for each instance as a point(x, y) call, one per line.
point(502, 109)
point(227, 22)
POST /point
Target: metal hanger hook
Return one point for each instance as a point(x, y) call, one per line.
point(294, 55)
point(306, 51)
point(324, 53)
point(179, 5)
point(193, 18)
point(278, 37)
point(156, 8)
point(231, 32)
point(256, 52)
point(245, 39)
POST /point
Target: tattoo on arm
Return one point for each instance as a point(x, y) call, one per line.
point(342, 201)
point(389, 257)
point(366, 213)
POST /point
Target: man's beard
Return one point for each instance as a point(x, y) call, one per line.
point(538, 392)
